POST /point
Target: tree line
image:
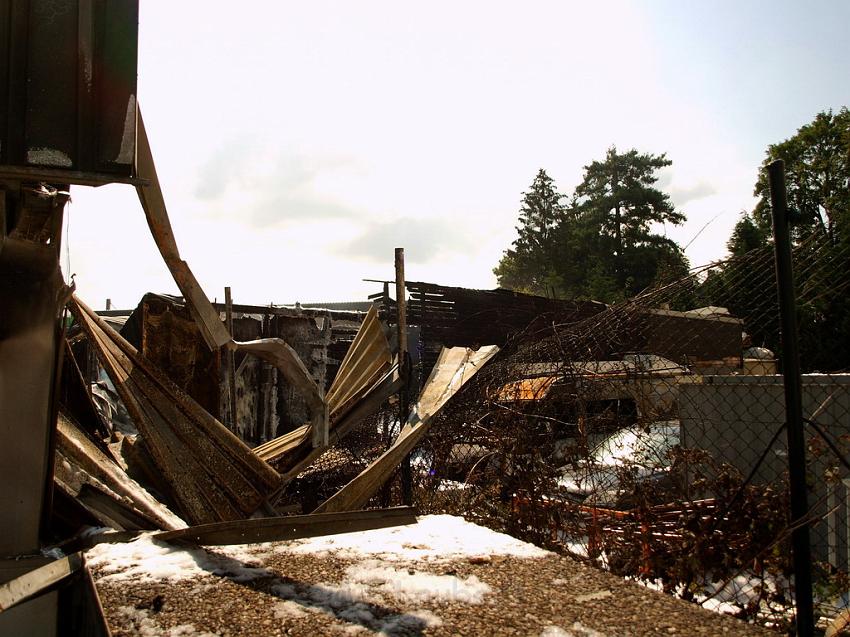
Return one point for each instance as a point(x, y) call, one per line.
point(605, 240)
point(599, 243)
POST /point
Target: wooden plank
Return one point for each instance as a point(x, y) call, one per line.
point(34, 582)
point(290, 528)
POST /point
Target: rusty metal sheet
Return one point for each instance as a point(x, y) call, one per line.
point(291, 527)
point(299, 459)
point(213, 475)
point(213, 330)
point(366, 361)
point(30, 286)
point(38, 580)
point(68, 88)
point(454, 368)
point(526, 389)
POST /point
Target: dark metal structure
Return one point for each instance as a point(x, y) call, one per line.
point(67, 116)
point(68, 89)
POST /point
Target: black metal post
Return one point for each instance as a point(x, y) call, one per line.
point(793, 400)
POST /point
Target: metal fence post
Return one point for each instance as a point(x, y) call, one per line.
point(793, 400)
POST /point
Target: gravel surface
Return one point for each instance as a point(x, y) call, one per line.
point(296, 594)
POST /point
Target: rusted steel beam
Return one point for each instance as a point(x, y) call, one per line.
point(290, 527)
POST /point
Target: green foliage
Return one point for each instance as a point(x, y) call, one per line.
point(620, 194)
point(747, 235)
point(817, 171)
point(817, 167)
point(600, 245)
point(528, 266)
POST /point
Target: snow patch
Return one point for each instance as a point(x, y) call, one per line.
point(404, 624)
point(435, 538)
point(411, 585)
point(378, 572)
point(576, 630)
point(146, 560)
point(286, 609)
point(145, 626)
point(348, 602)
point(589, 597)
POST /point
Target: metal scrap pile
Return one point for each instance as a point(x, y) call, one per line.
point(134, 450)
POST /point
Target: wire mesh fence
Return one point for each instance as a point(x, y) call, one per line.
point(649, 437)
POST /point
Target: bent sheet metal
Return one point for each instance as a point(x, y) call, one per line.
point(213, 475)
point(455, 367)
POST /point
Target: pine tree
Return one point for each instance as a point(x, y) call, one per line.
point(618, 196)
point(530, 265)
point(747, 235)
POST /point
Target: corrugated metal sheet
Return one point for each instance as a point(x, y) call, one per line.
point(213, 475)
point(454, 368)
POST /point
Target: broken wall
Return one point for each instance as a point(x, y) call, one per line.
point(266, 406)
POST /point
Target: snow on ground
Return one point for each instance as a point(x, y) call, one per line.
point(385, 565)
point(435, 538)
point(576, 630)
point(411, 585)
point(145, 560)
point(729, 597)
point(147, 627)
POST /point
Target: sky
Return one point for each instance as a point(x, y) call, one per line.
point(298, 144)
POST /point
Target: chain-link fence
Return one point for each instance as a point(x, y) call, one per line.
point(650, 439)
